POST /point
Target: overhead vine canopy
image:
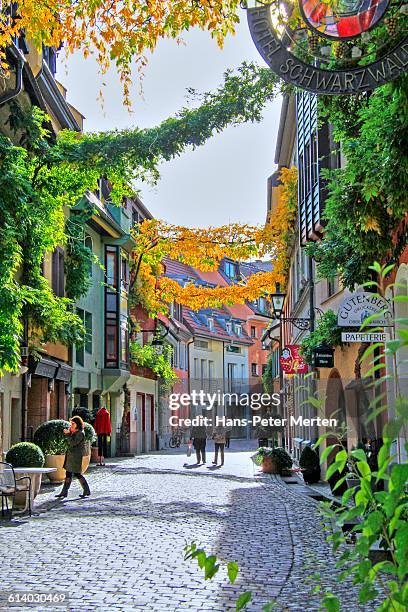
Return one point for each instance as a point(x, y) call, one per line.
point(118, 31)
point(41, 177)
point(204, 248)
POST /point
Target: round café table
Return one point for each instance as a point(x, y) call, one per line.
point(35, 473)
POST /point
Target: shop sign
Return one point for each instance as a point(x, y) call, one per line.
point(64, 374)
point(306, 54)
point(47, 370)
point(361, 337)
point(323, 357)
point(356, 308)
point(291, 362)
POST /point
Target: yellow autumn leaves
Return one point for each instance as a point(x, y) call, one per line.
point(119, 31)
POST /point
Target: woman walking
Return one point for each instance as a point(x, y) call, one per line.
point(219, 437)
point(73, 457)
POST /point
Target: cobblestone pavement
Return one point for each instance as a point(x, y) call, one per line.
point(122, 548)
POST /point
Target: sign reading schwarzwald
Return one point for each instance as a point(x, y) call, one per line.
point(276, 49)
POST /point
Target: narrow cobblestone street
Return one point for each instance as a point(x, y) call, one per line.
point(122, 549)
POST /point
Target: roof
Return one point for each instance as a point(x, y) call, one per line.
point(197, 323)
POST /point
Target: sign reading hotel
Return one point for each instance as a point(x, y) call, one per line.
point(291, 362)
point(356, 308)
point(331, 46)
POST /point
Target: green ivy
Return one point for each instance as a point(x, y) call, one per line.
point(41, 176)
point(326, 333)
point(367, 199)
point(149, 356)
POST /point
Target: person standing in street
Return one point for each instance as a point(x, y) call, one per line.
point(199, 437)
point(219, 437)
point(74, 455)
point(227, 438)
point(103, 429)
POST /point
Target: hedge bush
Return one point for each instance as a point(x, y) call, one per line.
point(25, 454)
point(50, 437)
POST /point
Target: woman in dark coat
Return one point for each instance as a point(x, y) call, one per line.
point(73, 457)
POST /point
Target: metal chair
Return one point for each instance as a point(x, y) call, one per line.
point(10, 486)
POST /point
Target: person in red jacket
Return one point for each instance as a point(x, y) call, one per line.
point(103, 429)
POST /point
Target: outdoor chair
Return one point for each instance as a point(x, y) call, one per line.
point(10, 486)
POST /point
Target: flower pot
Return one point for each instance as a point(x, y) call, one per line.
point(55, 461)
point(269, 465)
point(94, 454)
point(85, 463)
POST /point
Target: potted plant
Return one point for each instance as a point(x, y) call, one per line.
point(309, 462)
point(90, 438)
point(29, 455)
point(272, 460)
point(51, 439)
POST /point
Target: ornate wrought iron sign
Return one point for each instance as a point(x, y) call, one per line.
point(332, 47)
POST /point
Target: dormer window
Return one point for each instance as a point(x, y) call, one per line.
point(210, 322)
point(228, 327)
point(238, 330)
point(230, 269)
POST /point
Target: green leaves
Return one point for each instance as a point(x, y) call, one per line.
point(232, 569)
point(243, 600)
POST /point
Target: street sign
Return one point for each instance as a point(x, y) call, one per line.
point(323, 357)
point(291, 362)
point(356, 308)
point(361, 337)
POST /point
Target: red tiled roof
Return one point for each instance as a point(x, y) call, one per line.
point(198, 327)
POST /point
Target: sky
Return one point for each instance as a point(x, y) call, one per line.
point(224, 180)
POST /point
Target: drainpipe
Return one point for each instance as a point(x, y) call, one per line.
point(18, 61)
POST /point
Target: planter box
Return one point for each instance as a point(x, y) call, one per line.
point(269, 465)
point(55, 461)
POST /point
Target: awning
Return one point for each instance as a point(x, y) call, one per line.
point(48, 368)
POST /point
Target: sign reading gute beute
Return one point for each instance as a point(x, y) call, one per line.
point(356, 308)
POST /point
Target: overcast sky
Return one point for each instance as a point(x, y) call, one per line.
point(225, 180)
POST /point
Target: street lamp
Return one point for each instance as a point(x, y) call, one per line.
point(278, 301)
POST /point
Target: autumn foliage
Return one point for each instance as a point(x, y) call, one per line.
point(118, 31)
point(204, 249)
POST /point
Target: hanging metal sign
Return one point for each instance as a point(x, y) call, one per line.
point(356, 308)
point(323, 357)
point(332, 48)
point(363, 337)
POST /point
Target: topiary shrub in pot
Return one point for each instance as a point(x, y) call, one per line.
point(25, 454)
point(51, 439)
point(83, 412)
point(272, 460)
point(309, 462)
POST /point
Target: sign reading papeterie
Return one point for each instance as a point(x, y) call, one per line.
point(291, 361)
point(361, 337)
point(356, 308)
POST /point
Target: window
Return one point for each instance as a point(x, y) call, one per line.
point(124, 275)
point(124, 340)
point(211, 370)
point(196, 368)
point(233, 349)
point(230, 269)
point(57, 272)
point(253, 332)
point(112, 266)
point(176, 356)
point(254, 369)
point(88, 331)
point(89, 245)
point(332, 285)
point(80, 349)
point(238, 330)
point(203, 370)
point(228, 327)
point(201, 344)
point(210, 322)
point(111, 343)
point(178, 312)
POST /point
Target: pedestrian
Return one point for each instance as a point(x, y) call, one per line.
point(73, 457)
point(199, 437)
point(220, 438)
point(227, 438)
point(103, 429)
